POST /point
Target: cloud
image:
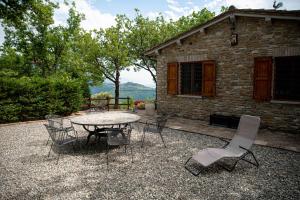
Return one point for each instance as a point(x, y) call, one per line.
point(94, 18)
point(152, 15)
point(176, 10)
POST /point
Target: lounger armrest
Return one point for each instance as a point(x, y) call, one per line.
point(227, 142)
point(248, 150)
point(223, 140)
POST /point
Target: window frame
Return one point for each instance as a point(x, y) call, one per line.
point(273, 85)
point(180, 81)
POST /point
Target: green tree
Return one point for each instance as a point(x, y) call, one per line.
point(112, 53)
point(224, 9)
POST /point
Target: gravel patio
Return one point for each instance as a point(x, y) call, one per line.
point(156, 173)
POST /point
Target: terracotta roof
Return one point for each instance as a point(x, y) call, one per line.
point(272, 14)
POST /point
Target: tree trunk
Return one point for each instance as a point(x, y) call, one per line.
point(155, 102)
point(117, 88)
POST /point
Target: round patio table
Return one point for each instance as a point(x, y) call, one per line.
point(103, 119)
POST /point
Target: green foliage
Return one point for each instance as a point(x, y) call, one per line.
point(224, 9)
point(32, 98)
point(85, 89)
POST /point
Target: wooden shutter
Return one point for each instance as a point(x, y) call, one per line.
point(262, 78)
point(172, 86)
point(209, 79)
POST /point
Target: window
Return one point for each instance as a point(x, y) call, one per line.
point(284, 79)
point(196, 78)
point(287, 78)
point(191, 78)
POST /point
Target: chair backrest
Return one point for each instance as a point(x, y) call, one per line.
point(58, 136)
point(246, 132)
point(54, 120)
point(117, 136)
point(161, 122)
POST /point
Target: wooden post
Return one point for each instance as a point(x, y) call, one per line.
point(127, 103)
point(107, 103)
point(90, 102)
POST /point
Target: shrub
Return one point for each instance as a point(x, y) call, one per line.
point(141, 106)
point(30, 98)
point(138, 101)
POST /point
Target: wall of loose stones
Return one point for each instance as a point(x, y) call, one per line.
point(234, 71)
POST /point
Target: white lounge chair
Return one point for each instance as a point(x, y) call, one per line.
point(238, 148)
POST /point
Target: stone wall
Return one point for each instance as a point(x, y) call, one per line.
point(234, 70)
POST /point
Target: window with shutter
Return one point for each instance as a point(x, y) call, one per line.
point(209, 79)
point(172, 87)
point(262, 78)
point(287, 78)
point(191, 78)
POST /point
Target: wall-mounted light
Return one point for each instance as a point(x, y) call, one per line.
point(234, 39)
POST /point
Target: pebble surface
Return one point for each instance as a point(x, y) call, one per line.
point(156, 172)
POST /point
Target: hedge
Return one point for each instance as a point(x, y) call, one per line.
point(29, 98)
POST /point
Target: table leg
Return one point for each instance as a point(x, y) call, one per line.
point(90, 133)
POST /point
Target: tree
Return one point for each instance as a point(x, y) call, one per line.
point(224, 9)
point(43, 49)
point(112, 53)
point(185, 23)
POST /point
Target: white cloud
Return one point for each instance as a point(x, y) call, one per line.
point(94, 18)
point(152, 15)
point(189, 2)
point(176, 10)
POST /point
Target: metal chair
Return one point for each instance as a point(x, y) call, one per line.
point(155, 127)
point(58, 122)
point(61, 137)
point(118, 137)
point(238, 148)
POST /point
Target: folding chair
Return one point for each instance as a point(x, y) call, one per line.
point(238, 148)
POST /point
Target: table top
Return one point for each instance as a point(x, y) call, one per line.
point(106, 118)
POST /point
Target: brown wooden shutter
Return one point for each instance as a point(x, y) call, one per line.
point(172, 86)
point(209, 79)
point(262, 80)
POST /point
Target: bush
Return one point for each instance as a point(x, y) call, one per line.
point(138, 101)
point(30, 98)
point(141, 106)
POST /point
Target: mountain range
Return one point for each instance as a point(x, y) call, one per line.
point(129, 89)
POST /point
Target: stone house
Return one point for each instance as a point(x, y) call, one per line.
point(243, 61)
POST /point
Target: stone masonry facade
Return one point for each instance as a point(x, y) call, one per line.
point(234, 71)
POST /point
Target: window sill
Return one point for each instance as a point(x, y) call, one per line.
point(286, 102)
point(190, 96)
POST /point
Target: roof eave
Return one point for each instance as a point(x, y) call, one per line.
point(154, 51)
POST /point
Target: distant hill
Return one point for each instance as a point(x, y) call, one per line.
point(135, 90)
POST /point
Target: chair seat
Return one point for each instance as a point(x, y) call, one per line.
point(117, 137)
point(117, 141)
point(68, 140)
point(152, 129)
point(210, 155)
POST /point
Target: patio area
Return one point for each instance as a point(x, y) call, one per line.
point(156, 172)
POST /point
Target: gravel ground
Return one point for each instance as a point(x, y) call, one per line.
point(156, 173)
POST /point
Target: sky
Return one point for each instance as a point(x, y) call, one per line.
point(101, 14)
